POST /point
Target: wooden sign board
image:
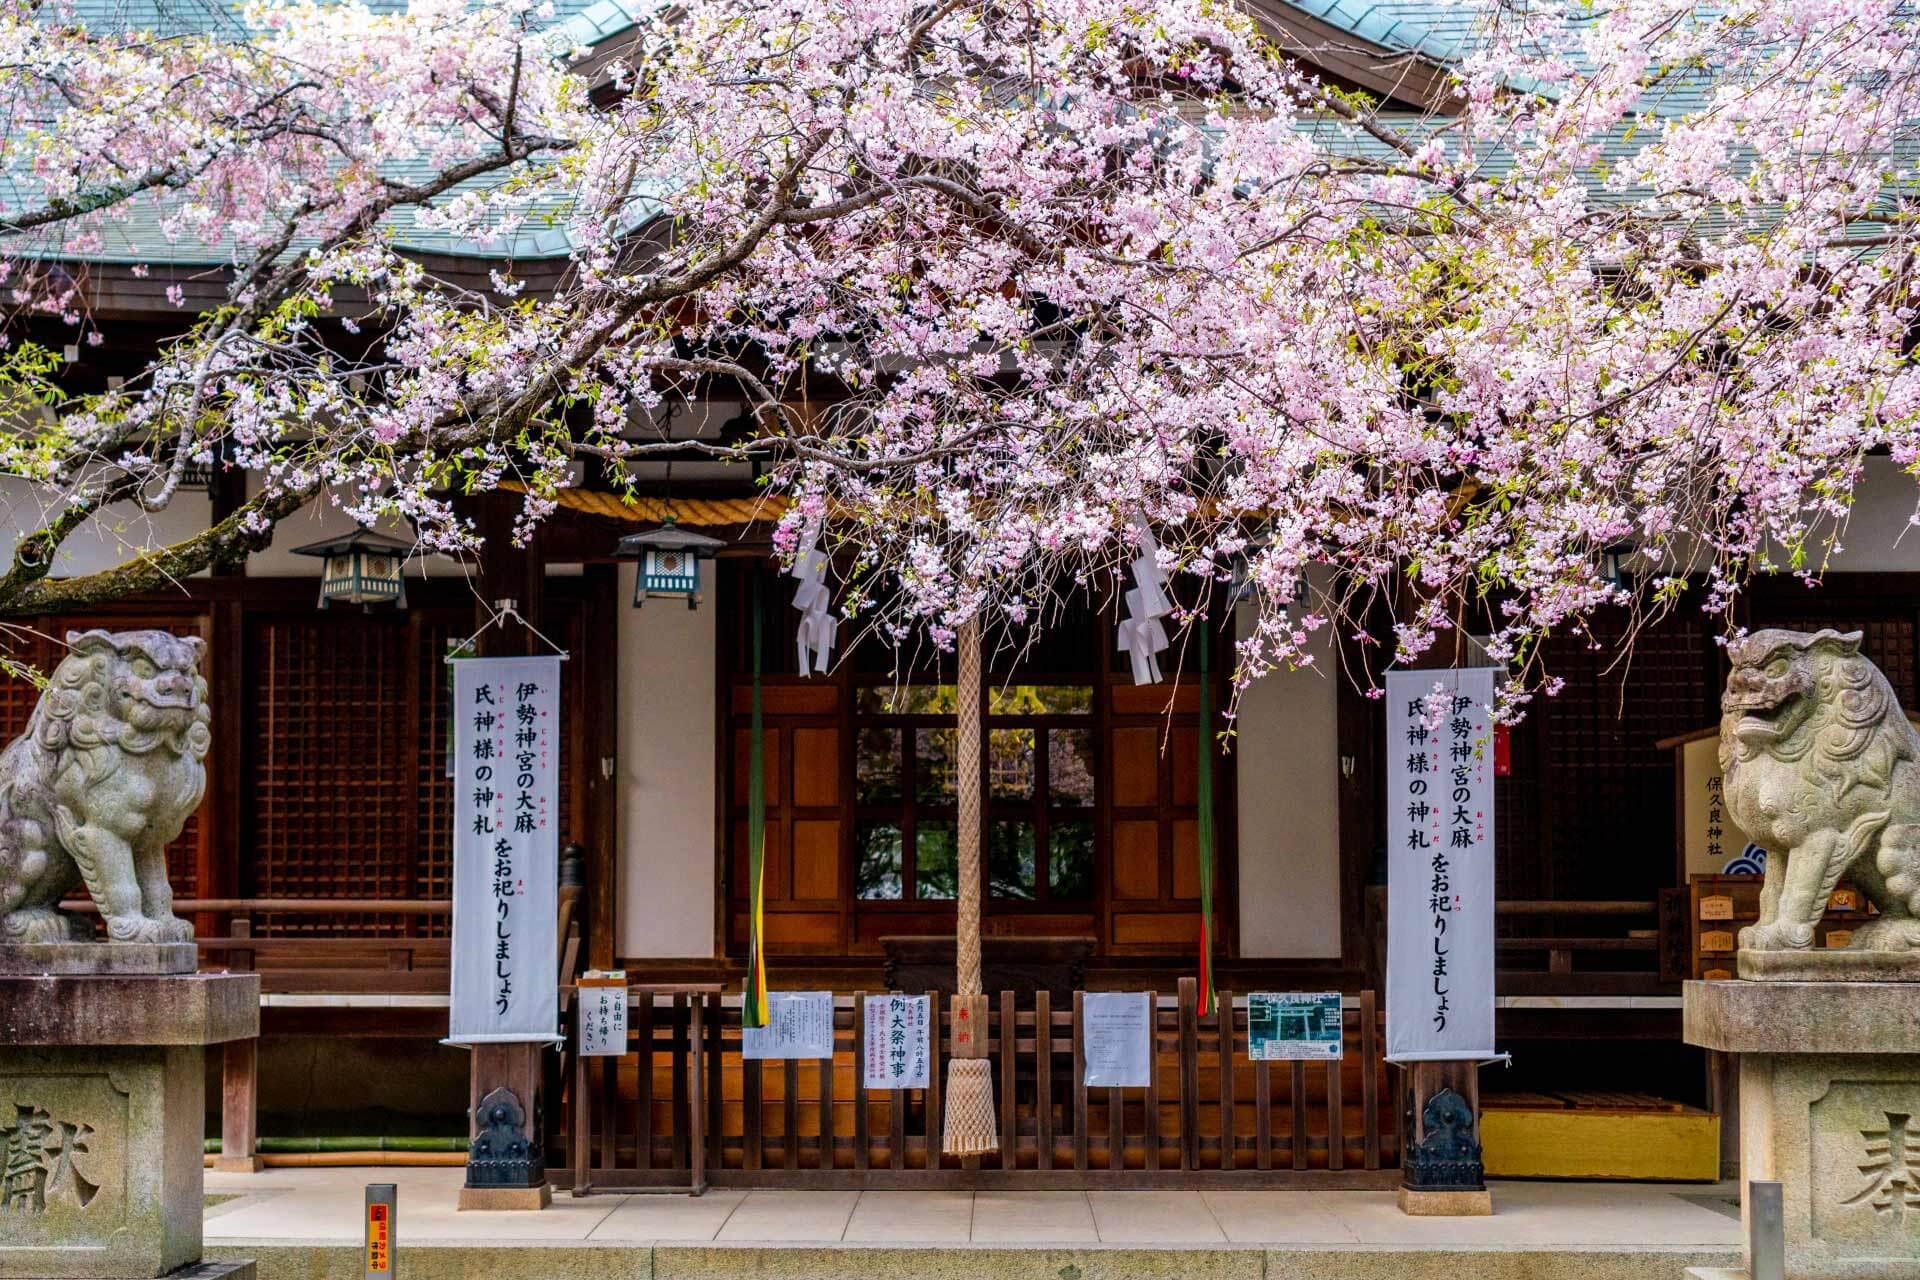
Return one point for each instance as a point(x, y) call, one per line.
point(1717, 907)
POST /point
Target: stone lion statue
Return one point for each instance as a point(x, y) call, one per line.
point(109, 769)
point(1823, 768)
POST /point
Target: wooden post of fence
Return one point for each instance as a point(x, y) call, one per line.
point(751, 1108)
point(826, 1094)
point(1043, 1077)
point(643, 1114)
point(1336, 1127)
point(1262, 1113)
point(860, 1152)
point(1079, 1083)
point(790, 1105)
point(1150, 1158)
point(1189, 1073)
point(680, 1050)
point(1009, 1044)
point(1228, 1160)
point(696, 1104)
point(1299, 1099)
point(582, 1118)
point(610, 1109)
point(716, 1108)
point(936, 1113)
point(1369, 1083)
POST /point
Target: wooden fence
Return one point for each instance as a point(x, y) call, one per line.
point(663, 1115)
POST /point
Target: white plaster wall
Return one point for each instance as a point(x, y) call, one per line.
point(111, 538)
point(1879, 537)
point(666, 779)
point(1289, 771)
point(322, 519)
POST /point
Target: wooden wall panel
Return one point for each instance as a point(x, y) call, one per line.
point(1136, 767)
point(816, 859)
point(1136, 860)
point(816, 767)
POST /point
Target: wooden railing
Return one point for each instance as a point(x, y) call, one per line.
point(1607, 952)
point(1211, 1117)
point(333, 963)
point(1561, 950)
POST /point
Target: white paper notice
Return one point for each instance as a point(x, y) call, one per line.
point(1115, 1030)
point(799, 1025)
point(1440, 854)
point(897, 1042)
point(603, 1014)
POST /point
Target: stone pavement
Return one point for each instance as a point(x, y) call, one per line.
point(306, 1223)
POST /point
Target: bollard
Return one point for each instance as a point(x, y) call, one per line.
point(1766, 1232)
point(383, 1199)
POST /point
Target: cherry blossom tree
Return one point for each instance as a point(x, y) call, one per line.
point(1017, 293)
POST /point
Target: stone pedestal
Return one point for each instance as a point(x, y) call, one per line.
point(1829, 1108)
point(102, 1114)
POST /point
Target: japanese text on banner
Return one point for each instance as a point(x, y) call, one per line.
point(1440, 864)
point(505, 849)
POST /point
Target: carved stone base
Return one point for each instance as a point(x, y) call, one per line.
point(113, 1182)
point(237, 1164)
point(1830, 965)
point(496, 1198)
point(102, 1113)
point(98, 958)
point(1830, 1109)
point(1445, 1204)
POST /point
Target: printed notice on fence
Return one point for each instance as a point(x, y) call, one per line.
point(603, 1014)
point(1440, 864)
point(897, 1042)
point(505, 849)
point(1116, 1030)
point(1293, 1027)
point(799, 1025)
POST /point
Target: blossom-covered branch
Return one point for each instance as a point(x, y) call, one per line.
point(1003, 285)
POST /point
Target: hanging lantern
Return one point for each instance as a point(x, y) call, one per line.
point(1616, 565)
point(362, 567)
point(669, 562)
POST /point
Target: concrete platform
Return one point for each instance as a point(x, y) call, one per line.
point(305, 1224)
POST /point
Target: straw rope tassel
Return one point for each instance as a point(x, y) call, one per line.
point(970, 1128)
point(753, 1009)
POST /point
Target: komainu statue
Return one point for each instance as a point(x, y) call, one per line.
point(109, 769)
point(1823, 768)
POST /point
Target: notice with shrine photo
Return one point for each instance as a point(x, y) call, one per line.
point(799, 1025)
point(1440, 851)
point(603, 1013)
point(506, 724)
point(897, 1039)
point(1294, 1026)
point(1116, 1030)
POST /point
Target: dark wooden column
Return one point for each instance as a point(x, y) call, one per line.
point(600, 670)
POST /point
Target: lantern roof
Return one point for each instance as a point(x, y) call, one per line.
point(668, 537)
point(361, 539)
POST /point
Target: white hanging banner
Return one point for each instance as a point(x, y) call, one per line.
point(897, 1042)
point(506, 723)
point(1440, 864)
